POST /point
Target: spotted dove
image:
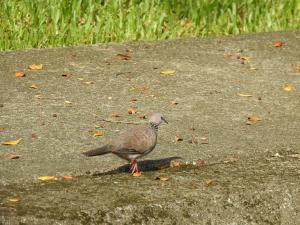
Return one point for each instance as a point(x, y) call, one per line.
point(133, 144)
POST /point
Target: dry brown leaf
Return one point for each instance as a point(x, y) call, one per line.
point(161, 178)
point(35, 66)
point(252, 120)
point(114, 115)
point(167, 72)
point(137, 174)
point(296, 69)
point(123, 57)
point(46, 178)
point(204, 140)
point(142, 117)
point(34, 86)
point(132, 110)
point(14, 142)
point(66, 74)
point(176, 139)
point(174, 102)
point(200, 163)
point(13, 200)
point(192, 141)
point(232, 158)
point(67, 177)
point(288, 87)
point(13, 156)
point(97, 133)
point(244, 95)
point(278, 44)
point(20, 74)
point(208, 182)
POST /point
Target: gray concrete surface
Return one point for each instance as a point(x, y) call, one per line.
point(261, 187)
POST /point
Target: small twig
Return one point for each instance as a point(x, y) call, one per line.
point(119, 121)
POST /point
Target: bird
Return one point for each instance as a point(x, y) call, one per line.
point(134, 143)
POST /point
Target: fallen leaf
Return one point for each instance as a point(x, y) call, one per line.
point(132, 110)
point(192, 141)
point(146, 87)
point(296, 69)
point(175, 163)
point(252, 120)
point(114, 114)
point(123, 57)
point(147, 45)
point(142, 117)
point(66, 74)
point(34, 86)
point(80, 78)
point(46, 178)
point(167, 72)
point(227, 54)
point(245, 58)
point(176, 139)
point(137, 174)
point(20, 74)
point(244, 95)
point(133, 99)
point(252, 68)
point(38, 96)
point(35, 66)
point(232, 158)
point(89, 82)
point(174, 102)
point(13, 156)
point(15, 142)
point(14, 200)
point(204, 140)
point(68, 102)
point(200, 163)
point(288, 87)
point(67, 177)
point(161, 178)
point(208, 182)
point(97, 133)
point(278, 44)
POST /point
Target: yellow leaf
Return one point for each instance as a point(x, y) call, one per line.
point(13, 199)
point(167, 72)
point(68, 102)
point(244, 95)
point(15, 142)
point(288, 87)
point(35, 66)
point(46, 178)
point(34, 86)
point(97, 133)
point(80, 78)
point(252, 120)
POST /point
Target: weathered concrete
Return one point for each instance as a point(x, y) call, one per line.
point(261, 187)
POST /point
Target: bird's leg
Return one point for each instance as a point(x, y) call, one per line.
point(134, 166)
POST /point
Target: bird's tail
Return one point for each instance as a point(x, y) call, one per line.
point(98, 151)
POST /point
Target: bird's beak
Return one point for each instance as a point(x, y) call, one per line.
point(163, 119)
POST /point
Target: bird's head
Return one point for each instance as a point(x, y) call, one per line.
point(157, 118)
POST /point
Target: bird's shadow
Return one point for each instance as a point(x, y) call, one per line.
point(145, 165)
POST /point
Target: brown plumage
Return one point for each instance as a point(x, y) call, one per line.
point(133, 144)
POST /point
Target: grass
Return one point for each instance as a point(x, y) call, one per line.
point(48, 23)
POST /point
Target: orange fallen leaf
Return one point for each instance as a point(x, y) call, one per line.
point(167, 72)
point(244, 95)
point(20, 74)
point(97, 133)
point(146, 87)
point(132, 110)
point(288, 87)
point(14, 200)
point(34, 86)
point(46, 178)
point(252, 120)
point(227, 54)
point(161, 178)
point(232, 158)
point(123, 56)
point(296, 69)
point(278, 44)
point(137, 174)
point(15, 142)
point(35, 66)
point(67, 177)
